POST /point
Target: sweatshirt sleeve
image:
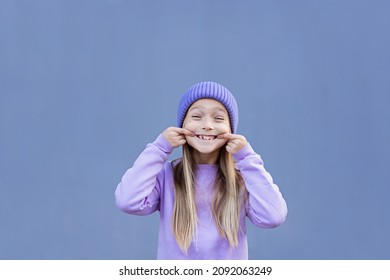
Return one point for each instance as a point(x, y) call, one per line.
point(138, 192)
point(265, 206)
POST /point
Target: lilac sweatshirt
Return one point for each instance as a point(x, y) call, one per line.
point(148, 186)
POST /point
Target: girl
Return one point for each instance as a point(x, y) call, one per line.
point(204, 197)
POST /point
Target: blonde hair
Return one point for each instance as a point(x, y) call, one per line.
point(227, 202)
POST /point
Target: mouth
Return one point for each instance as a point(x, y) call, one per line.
point(206, 137)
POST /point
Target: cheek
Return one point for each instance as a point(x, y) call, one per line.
point(224, 128)
point(223, 142)
point(189, 125)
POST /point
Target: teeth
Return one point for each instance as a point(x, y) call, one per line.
point(206, 137)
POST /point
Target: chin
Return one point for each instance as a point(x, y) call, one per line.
point(205, 149)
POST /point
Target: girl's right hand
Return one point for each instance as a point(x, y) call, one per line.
point(177, 136)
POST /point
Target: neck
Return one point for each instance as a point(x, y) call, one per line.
point(210, 158)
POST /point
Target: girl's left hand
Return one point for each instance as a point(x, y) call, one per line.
point(235, 142)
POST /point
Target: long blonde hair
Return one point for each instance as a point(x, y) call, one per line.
point(227, 202)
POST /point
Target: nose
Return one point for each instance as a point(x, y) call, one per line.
point(207, 124)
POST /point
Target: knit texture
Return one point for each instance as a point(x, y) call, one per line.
point(210, 90)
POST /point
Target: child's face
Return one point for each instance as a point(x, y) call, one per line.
point(207, 118)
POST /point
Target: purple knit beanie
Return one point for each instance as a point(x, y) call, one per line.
point(210, 90)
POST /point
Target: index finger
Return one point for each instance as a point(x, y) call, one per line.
point(226, 136)
point(185, 131)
